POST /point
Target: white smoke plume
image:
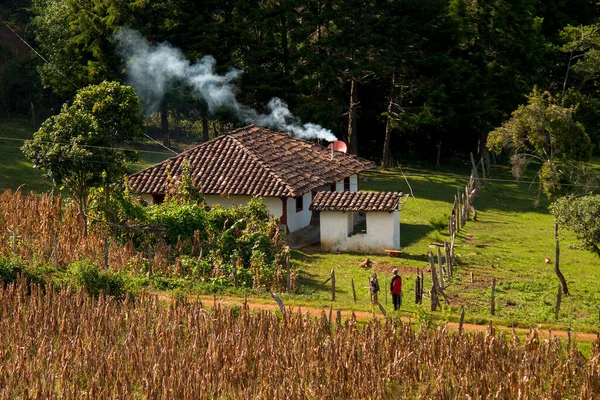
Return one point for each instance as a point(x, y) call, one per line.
point(151, 69)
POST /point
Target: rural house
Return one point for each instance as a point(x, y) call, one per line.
point(342, 230)
point(255, 161)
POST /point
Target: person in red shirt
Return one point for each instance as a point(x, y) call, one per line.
point(396, 289)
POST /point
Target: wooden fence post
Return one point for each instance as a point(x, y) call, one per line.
point(288, 269)
point(472, 279)
point(279, 303)
point(434, 286)
point(558, 300)
point(353, 290)
point(441, 267)
point(150, 259)
point(106, 245)
point(384, 291)
point(332, 285)
point(418, 289)
point(462, 319)
point(448, 259)
point(493, 302)
point(421, 287)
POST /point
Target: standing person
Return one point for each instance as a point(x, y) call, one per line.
point(396, 289)
point(374, 289)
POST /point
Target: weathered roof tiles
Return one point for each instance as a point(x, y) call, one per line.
point(356, 201)
point(253, 161)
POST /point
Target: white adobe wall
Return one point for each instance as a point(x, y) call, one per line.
point(273, 204)
point(148, 198)
point(335, 226)
point(383, 232)
point(339, 185)
point(300, 219)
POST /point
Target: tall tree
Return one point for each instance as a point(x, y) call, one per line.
point(77, 147)
point(545, 132)
point(498, 53)
point(582, 216)
point(75, 36)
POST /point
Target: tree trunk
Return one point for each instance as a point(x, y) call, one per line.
point(352, 115)
point(284, 40)
point(164, 122)
point(484, 154)
point(388, 126)
point(561, 277)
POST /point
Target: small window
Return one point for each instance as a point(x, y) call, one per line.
point(299, 203)
point(347, 184)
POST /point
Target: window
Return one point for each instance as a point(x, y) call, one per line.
point(347, 184)
point(299, 203)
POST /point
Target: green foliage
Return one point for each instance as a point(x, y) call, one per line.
point(580, 215)
point(95, 280)
point(440, 223)
point(245, 235)
point(546, 132)
point(10, 269)
point(76, 147)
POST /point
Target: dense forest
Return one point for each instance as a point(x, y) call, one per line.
point(394, 78)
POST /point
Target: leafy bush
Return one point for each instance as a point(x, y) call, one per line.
point(10, 269)
point(439, 223)
point(87, 274)
point(208, 241)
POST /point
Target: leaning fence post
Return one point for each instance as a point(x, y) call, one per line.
point(558, 300)
point(462, 319)
point(353, 290)
point(279, 303)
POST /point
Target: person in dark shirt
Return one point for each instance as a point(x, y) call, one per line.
point(396, 289)
point(374, 289)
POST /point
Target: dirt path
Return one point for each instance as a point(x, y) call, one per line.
point(364, 315)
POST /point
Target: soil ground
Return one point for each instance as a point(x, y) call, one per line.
point(226, 301)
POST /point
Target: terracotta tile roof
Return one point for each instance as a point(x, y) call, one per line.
point(356, 201)
point(254, 161)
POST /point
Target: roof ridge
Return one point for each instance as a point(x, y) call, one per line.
point(260, 160)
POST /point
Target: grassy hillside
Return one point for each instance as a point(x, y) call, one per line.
point(15, 170)
point(509, 241)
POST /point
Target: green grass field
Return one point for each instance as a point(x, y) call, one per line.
point(509, 242)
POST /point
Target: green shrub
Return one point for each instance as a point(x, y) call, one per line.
point(10, 269)
point(439, 223)
point(87, 274)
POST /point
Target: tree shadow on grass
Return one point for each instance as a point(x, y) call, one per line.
point(411, 233)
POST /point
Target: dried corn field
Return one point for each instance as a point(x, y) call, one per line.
point(64, 344)
point(44, 230)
